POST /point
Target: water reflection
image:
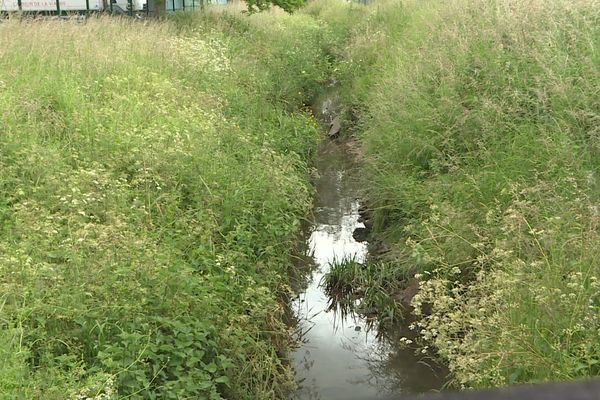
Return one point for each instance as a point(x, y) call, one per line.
point(340, 357)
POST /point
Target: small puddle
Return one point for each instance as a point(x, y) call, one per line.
point(340, 358)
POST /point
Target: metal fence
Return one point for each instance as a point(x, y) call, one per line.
point(118, 7)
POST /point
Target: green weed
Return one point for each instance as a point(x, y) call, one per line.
point(478, 123)
point(152, 181)
point(364, 289)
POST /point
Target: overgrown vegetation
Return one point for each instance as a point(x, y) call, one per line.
point(153, 177)
point(364, 289)
point(479, 123)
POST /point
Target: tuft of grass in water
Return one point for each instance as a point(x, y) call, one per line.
point(364, 289)
point(153, 177)
point(479, 124)
point(340, 285)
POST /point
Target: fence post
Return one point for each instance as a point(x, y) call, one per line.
point(58, 7)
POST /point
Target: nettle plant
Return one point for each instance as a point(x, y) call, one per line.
point(174, 358)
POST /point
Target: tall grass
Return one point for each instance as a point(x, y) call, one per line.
point(479, 124)
point(153, 176)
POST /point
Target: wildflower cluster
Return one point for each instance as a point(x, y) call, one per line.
point(480, 151)
point(201, 52)
point(106, 391)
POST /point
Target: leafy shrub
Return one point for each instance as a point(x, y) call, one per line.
point(175, 358)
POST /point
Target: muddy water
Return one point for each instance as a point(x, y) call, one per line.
point(340, 359)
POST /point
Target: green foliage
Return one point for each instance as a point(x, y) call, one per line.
point(149, 201)
point(262, 5)
point(479, 123)
point(364, 288)
point(167, 359)
point(151, 191)
point(14, 372)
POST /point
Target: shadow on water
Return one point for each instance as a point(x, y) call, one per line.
point(340, 356)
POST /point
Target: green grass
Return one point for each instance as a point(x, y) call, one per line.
point(479, 127)
point(152, 181)
point(153, 176)
point(365, 289)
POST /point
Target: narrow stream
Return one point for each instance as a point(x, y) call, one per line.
point(340, 359)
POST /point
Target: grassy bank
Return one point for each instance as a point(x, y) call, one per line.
point(479, 125)
point(152, 180)
point(153, 176)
